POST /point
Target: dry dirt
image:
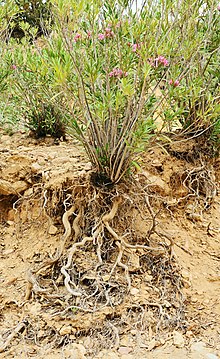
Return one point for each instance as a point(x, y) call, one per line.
point(30, 232)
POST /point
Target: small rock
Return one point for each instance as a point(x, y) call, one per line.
point(185, 274)
point(189, 334)
point(52, 229)
point(152, 344)
point(134, 291)
point(187, 284)
point(87, 166)
point(156, 184)
point(11, 215)
point(5, 188)
point(35, 167)
point(194, 299)
point(148, 277)
point(211, 356)
point(178, 339)
point(75, 351)
point(124, 350)
point(29, 191)
point(72, 337)
point(20, 186)
point(126, 341)
point(66, 329)
point(206, 301)
point(10, 223)
point(8, 251)
point(198, 347)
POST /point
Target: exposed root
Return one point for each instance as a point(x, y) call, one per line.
point(19, 328)
point(32, 281)
point(200, 189)
point(115, 331)
point(106, 257)
point(33, 285)
point(72, 251)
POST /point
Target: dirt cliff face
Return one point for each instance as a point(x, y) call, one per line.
point(134, 301)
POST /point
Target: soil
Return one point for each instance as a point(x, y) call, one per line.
point(35, 182)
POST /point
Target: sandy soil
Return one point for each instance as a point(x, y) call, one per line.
point(31, 232)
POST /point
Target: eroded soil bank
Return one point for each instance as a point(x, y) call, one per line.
point(35, 181)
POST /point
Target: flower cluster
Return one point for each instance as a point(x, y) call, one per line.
point(107, 34)
point(116, 72)
point(77, 37)
point(101, 36)
point(134, 46)
point(160, 60)
point(174, 83)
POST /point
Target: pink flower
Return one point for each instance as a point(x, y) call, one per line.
point(109, 32)
point(14, 67)
point(77, 37)
point(116, 72)
point(160, 60)
point(136, 47)
point(174, 83)
point(89, 34)
point(101, 36)
point(218, 7)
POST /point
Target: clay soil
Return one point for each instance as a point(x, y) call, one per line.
point(35, 181)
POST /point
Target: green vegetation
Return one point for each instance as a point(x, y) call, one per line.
point(108, 72)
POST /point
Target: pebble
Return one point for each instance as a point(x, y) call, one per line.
point(134, 291)
point(124, 350)
point(75, 351)
point(153, 344)
point(185, 274)
point(126, 341)
point(52, 229)
point(178, 339)
point(36, 167)
point(11, 215)
point(198, 346)
point(66, 329)
point(206, 301)
point(194, 299)
point(211, 356)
